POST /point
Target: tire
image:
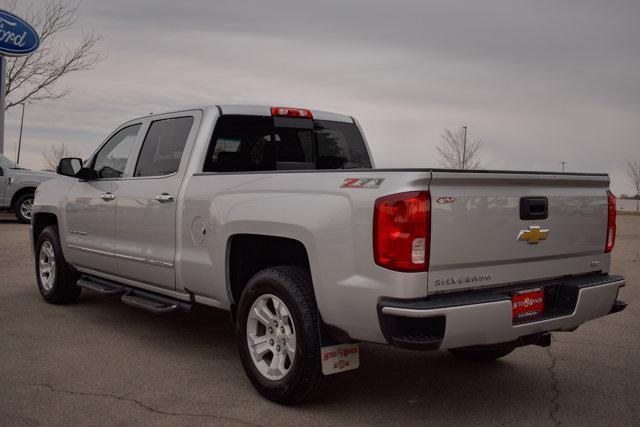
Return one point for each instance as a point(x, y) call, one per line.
point(480, 354)
point(294, 381)
point(22, 208)
point(57, 282)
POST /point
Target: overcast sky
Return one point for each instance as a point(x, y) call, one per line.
point(539, 82)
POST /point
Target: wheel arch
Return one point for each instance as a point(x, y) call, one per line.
point(249, 253)
point(39, 222)
point(24, 190)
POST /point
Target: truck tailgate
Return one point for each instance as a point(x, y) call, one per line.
point(489, 229)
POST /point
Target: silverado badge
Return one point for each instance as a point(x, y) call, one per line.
point(533, 235)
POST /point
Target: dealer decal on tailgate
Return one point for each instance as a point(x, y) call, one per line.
point(340, 358)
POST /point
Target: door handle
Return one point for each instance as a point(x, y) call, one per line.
point(107, 196)
point(165, 198)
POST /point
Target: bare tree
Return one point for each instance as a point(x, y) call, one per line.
point(33, 77)
point(52, 157)
point(633, 173)
point(454, 154)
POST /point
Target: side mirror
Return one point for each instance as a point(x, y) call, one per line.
point(69, 166)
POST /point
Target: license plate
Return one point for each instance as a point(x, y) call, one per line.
point(527, 305)
point(340, 358)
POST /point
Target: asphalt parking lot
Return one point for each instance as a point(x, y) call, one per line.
point(102, 362)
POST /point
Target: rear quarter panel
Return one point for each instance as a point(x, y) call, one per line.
point(333, 223)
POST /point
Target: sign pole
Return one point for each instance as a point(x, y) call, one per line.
point(3, 89)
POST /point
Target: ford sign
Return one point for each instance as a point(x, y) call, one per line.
point(16, 36)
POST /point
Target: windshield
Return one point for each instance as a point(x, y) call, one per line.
point(8, 163)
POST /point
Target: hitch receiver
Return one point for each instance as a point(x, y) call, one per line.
point(618, 306)
point(541, 340)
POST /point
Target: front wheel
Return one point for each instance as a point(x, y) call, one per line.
point(57, 282)
point(278, 335)
point(22, 208)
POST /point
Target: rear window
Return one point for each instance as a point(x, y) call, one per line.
point(340, 146)
point(257, 143)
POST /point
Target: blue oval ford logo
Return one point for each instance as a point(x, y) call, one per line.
point(16, 36)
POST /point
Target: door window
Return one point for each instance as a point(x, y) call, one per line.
point(163, 146)
point(112, 158)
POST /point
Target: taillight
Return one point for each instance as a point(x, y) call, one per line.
point(611, 222)
point(401, 229)
point(291, 112)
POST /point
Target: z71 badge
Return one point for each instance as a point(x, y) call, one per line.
point(362, 183)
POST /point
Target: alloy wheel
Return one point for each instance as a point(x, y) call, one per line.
point(25, 208)
point(271, 337)
point(47, 266)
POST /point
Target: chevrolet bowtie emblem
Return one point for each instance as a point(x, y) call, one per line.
point(533, 235)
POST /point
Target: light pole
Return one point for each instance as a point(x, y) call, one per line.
point(563, 165)
point(464, 148)
point(20, 137)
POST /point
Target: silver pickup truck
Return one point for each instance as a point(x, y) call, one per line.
point(17, 186)
point(279, 216)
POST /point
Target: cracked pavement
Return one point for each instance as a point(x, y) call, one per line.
point(101, 362)
point(554, 395)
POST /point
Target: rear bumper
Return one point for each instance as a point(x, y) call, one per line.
point(485, 317)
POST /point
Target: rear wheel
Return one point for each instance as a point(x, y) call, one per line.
point(22, 208)
point(57, 282)
point(278, 335)
point(481, 354)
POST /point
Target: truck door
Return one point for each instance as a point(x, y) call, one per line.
point(146, 208)
point(91, 204)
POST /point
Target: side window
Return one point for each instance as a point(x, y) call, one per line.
point(163, 146)
point(241, 143)
point(112, 157)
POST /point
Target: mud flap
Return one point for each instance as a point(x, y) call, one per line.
point(336, 356)
point(340, 358)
